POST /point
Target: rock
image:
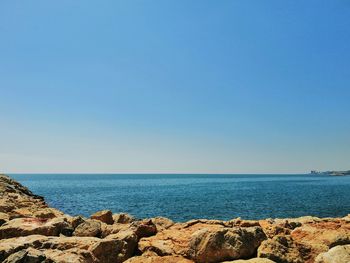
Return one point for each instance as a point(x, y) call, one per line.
point(104, 216)
point(272, 228)
point(238, 222)
point(338, 254)
point(48, 213)
point(204, 242)
point(123, 218)
point(322, 235)
point(90, 228)
point(76, 221)
point(158, 259)
point(13, 245)
point(225, 244)
point(69, 256)
point(144, 228)
point(283, 249)
point(33, 226)
point(29, 255)
point(162, 223)
point(4, 218)
point(128, 243)
point(107, 250)
point(252, 260)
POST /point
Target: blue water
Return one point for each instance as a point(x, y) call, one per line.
point(184, 197)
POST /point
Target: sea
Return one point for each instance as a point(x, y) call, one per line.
point(183, 197)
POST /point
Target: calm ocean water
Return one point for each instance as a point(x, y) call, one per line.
point(184, 197)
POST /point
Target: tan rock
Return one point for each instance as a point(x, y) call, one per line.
point(4, 218)
point(128, 243)
point(75, 221)
point(322, 235)
point(162, 223)
point(338, 254)
point(104, 216)
point(69, 256)
point(204, 242)
point(238, 222)
point(48, 213)
point(29, 255)
point(89, 228)
point(252, 260)
point(33, 226)
point(225, 244)
point(123, 218)
point(174, 240)
point(283, 249)
point(158, 259)
point(144, 228)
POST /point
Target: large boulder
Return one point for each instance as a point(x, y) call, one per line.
point(225, 244)
point(204, 242)
point(158, 259)
point(123, 218)
point(89, 228)
point(338, 254)
point(33, 226)
point(283, 249)
point(252, 260)
point(162, 223)
point(321, 235)
point(104, 216)
point(77, 249)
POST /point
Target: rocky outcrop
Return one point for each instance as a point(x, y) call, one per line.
point(104, 216)
point(31, 231)
point(338, 254)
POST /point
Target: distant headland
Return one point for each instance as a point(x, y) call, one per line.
point(333, 173)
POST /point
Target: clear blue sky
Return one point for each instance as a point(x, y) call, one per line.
point(174, 86)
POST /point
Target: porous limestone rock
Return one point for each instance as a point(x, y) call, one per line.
point(104, 216)
point(283, 249)
point(162, 223)
point(225, 244)
point(89, 228)
point(123, 218)
point(201, 242)
point(252, 260)
point(158, 259)
point(33, 226)
point(338, 254)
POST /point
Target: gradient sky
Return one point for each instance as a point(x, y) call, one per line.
point(174, 86)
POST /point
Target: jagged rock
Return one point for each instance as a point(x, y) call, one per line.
point(89, 228)
point(48, 213)
point(321, 235)
point(76, 221)
point(252, 260)
point(144, 228)
point(174, 240)
point(33, 226)
point(4, 218)
point(104, 216)
point(238, 222)
point(225, 244)
point(204, 242)
point(162, 223)
point(123, 218)
point(338, 254)
point(69, 256)
point(29, 255)
point(283, 249)
point(158, 259)
point(128, 243)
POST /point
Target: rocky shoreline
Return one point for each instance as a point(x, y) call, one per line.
point(31, 231)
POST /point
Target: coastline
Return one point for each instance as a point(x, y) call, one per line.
point(31, 230)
